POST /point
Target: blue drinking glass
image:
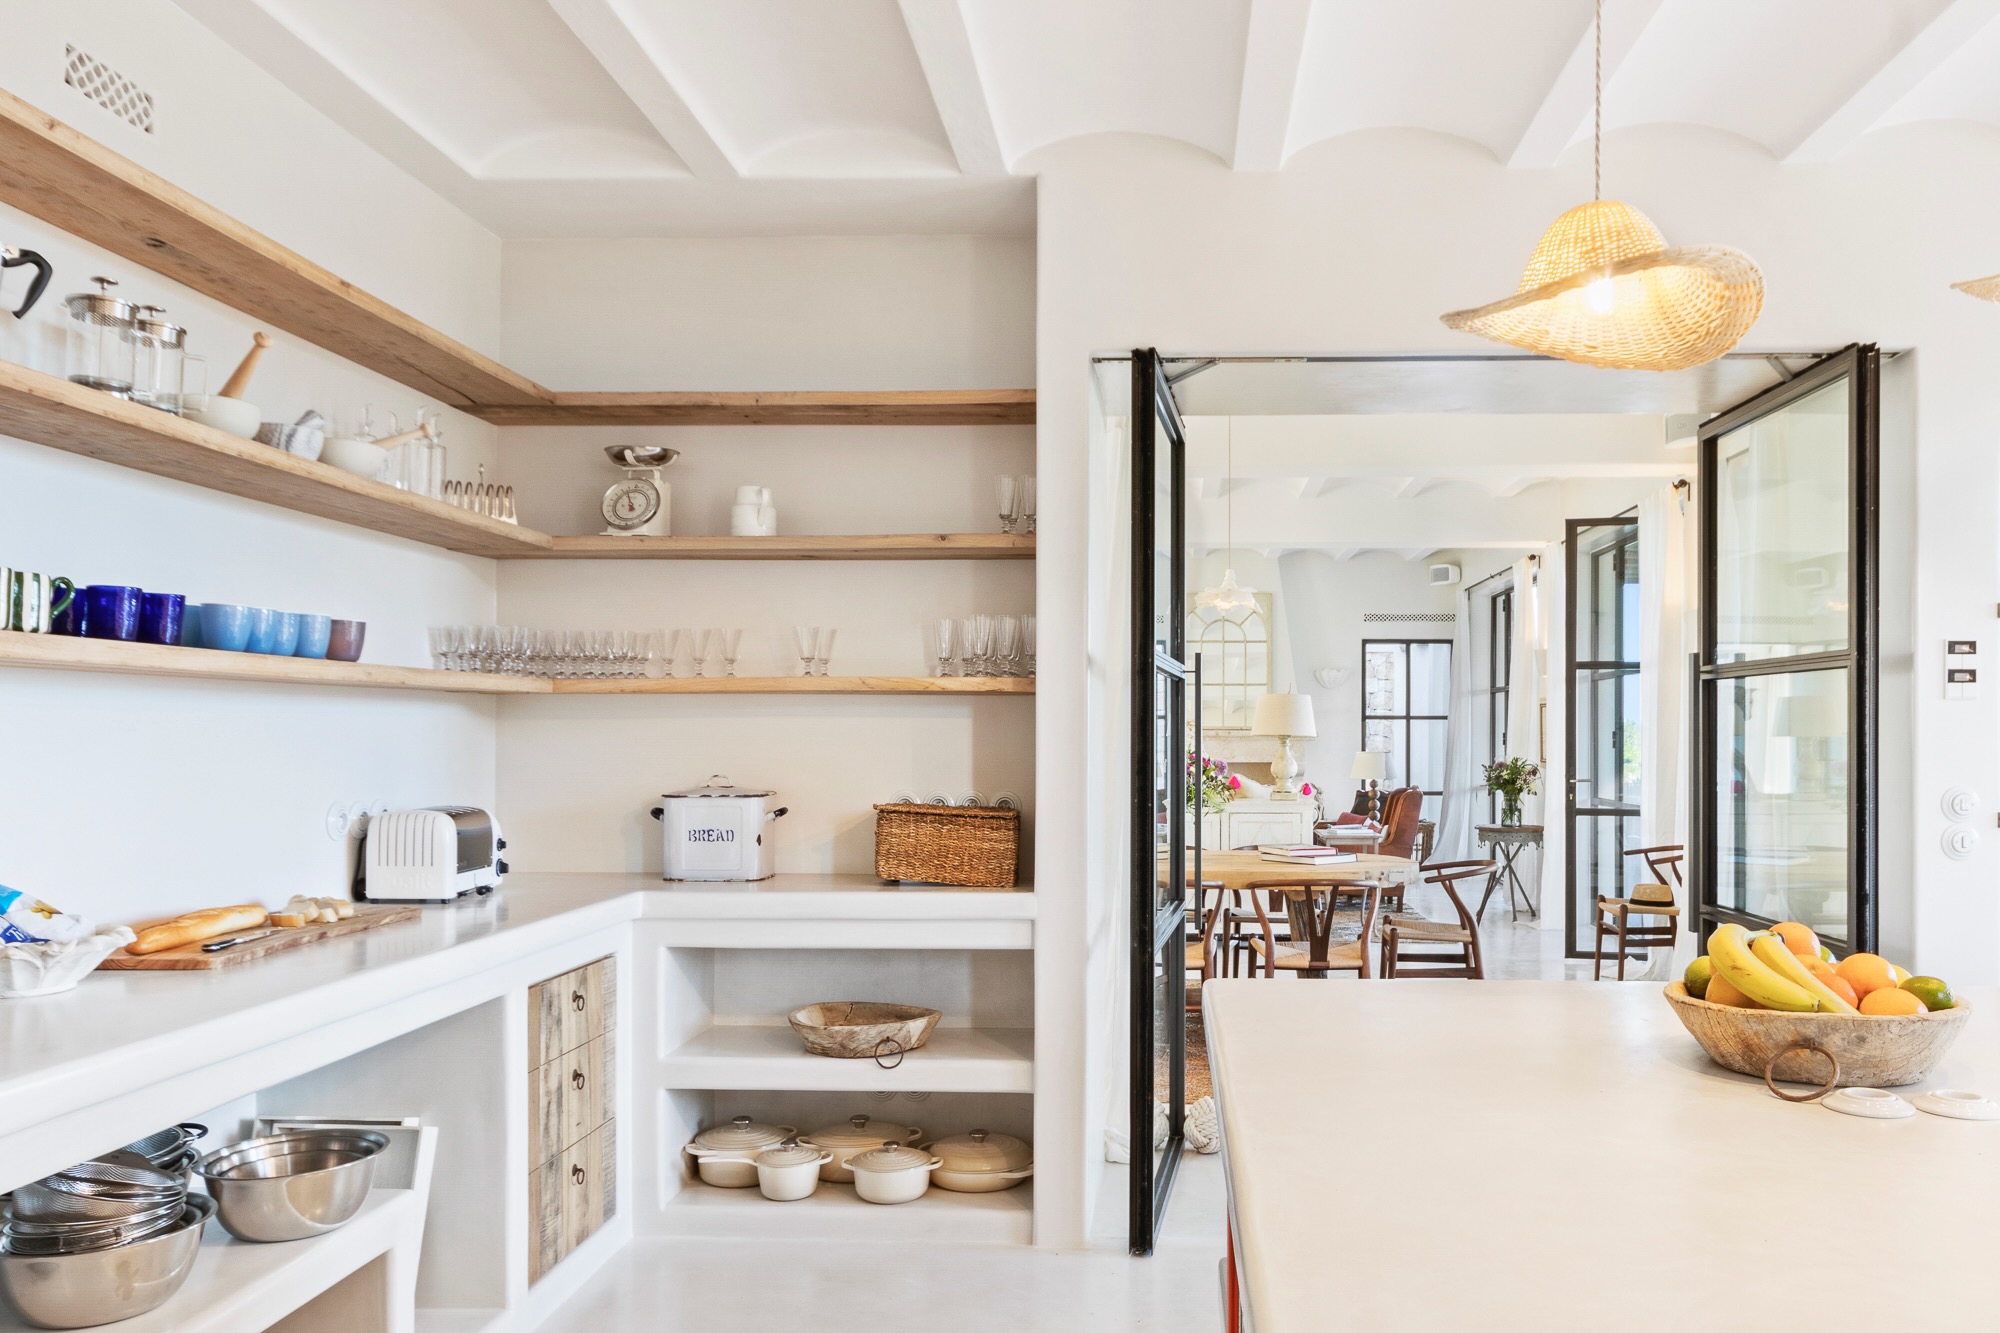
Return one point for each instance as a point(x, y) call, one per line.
point(225, 627)
point(160, 617)
point(111, 612)
point(191, 626)
point(314, 634)
point(263, 629)
point(285, 633)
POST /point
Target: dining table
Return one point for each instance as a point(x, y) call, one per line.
point(1310, 920)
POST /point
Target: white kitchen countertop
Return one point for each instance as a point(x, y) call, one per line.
point(1562, 1155)
point(121, 1031)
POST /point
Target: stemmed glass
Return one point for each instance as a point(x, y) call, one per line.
point(1009, 503)
point(978, 638)
point(941, 645)
point(807, 639)
point(704, 640)
point(1007, 633)
point(676, 645)
point(825, 654)
point(1028, 503)
point(1028, 643)
point(732, 640)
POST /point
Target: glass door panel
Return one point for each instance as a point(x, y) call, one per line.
point(1602, 803)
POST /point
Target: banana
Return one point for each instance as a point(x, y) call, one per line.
point(1729, 949)
point(1780, 959)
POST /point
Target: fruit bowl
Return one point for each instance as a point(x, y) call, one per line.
point(1884, 1052)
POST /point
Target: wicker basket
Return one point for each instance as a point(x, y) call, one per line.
point(966, 846)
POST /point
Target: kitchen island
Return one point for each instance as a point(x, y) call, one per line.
point(1554, 1155)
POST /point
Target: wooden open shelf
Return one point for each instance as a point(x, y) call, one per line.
point(890, 546)
point(62, 653)
point(65, 178)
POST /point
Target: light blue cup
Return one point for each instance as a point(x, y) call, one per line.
point(284, 633)
point(226, 627)
point(314, 633)
point(263, 630)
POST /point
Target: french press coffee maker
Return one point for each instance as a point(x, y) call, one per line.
point(159, 353)
point(100, 351)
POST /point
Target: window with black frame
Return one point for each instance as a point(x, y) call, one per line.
point(1405, 711)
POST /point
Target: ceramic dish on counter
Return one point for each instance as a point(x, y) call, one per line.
point(892, 1173)
point(859, 1134)
point(790, 1170)
point(981, 1162)
point(726, 1155)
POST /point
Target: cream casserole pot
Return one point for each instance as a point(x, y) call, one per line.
point(892, 1173)
point(790, 1171)
point(859, 1134)
point(982, 1162)
point(726, 1156)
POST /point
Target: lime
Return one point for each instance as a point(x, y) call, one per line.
point(1826, 955)
point(1933, 992)
point(1698, 973)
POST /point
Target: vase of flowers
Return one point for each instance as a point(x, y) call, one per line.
point(1511, 779)
point(1209, 783)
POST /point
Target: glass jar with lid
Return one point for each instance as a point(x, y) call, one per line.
point(159, 349)
point(100, 348)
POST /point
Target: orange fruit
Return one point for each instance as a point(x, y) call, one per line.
point(1799, 938)
point(1721, 992)
point(1867, 972)
point(1819, 967)
point(1838, 985)
point(1888, 1001)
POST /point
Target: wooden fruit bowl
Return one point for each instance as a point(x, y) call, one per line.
point(1872, 1052)
point(859, 1030)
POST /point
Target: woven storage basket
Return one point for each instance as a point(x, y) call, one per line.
point(967, 846)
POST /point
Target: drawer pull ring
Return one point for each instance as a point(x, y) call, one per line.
point(576, 1174)
point(576, 1079)
point(576, 1000)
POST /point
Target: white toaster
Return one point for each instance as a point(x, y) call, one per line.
point(431, 855)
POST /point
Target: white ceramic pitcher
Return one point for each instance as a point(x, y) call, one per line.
point(753, 514)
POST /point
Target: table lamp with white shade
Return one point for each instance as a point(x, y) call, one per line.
point(1287, 717)
point(1372, 767)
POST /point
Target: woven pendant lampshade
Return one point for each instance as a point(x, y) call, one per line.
point(1986, 289)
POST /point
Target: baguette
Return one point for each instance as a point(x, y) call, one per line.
point(194, 927)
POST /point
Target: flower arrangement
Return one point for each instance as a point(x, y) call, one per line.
point(1511, 779)
point(1209, 784)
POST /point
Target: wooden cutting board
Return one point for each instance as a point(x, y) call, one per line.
point(190, 958)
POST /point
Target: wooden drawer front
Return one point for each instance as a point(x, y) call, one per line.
point(566, 1012)
point(545, 1219)
point(588, 1172)
point(585, 1079)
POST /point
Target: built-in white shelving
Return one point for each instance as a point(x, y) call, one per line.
point(940, 1216)
point(955, 1059)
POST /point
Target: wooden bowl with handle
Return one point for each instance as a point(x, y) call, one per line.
point(860, 1030)
point(1885, 1052)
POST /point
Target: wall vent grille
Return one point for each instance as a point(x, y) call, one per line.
point(108, 88)
point(1408, 618)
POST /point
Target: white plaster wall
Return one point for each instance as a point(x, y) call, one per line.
point(125, 797)
point(1360, 244)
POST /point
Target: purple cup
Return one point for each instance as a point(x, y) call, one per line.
point(343, 640)
point(111, 612)
point(160, 617)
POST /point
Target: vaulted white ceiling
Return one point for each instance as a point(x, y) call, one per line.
point(558, 117)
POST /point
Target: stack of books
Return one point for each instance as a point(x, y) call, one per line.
point(1304, 856)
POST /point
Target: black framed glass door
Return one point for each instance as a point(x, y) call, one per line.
point(1164, 862)
point(1785, 680)
point(1602, 805)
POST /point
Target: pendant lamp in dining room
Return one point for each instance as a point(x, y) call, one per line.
point(1603, 287)
point(1986, 289)
point(1227, 597)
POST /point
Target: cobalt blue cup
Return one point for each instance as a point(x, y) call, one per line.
point(226, 627)
point(314, 634)
point(160, 617)
point(111, 612)
point(263, 630)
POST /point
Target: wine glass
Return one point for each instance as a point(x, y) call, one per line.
point(941, 645)
point(807, 639)
point(1008, 500)
point(1007, 631)
point(704, 640)
point(825, 653)
point(1028, 503)
point(440, 639)
point(1028, 642)
point(732, 641)
point(675, 643)
point(979, 639)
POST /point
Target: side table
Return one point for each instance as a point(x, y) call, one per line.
point(1508, 840)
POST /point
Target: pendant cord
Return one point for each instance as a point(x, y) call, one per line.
point(1229, 494)
point(1597, 101)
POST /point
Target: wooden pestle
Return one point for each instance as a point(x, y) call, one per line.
point(239, 379)
point(426, 431)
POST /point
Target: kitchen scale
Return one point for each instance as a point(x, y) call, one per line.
point(642, 504)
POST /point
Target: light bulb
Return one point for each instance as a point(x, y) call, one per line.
point(1601, 295)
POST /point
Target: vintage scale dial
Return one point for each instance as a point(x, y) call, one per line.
point(639, 506)
point(631, 503)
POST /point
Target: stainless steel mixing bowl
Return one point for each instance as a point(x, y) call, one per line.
point(104, 1286)
point(290, 1186)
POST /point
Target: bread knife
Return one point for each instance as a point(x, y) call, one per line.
point(217, 946)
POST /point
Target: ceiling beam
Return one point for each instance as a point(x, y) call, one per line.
point(944, 49)
point(1312, 488)
point(1955, 25)
point(1272, 50)
point(642, 77)
point(1409, 488)
point(1565, 110)
point(1508, 488)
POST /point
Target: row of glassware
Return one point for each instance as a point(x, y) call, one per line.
point(983, 645)
point(1017, 504)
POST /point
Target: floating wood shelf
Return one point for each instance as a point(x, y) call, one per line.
point(907, 407)
point(62, 653)
point(52, 411)
point(891, 546)
point(53, 172)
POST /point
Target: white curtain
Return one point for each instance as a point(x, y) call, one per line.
point(1666, 636)
point(1539, 715)
point(1462, 805)
point(1524, 690)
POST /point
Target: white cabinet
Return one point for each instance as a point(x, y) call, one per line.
point(1248, 823)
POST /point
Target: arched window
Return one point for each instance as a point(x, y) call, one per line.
point(1235, 650)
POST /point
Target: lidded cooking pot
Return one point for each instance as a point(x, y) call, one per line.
point(982, 1162)
point(99, 351)
point(892, 1173)
point(859, 1134)
point(717, 831)
point(726, 1155)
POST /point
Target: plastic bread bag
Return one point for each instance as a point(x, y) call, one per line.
point(25, 920)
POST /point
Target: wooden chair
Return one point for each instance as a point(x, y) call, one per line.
point(1614, 915)
point(1321, 955)
point(1208, 952)
point(1402, 813)
point(1442, 949)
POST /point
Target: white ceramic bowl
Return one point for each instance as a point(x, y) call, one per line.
point(230, 414)
point(364, 458)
